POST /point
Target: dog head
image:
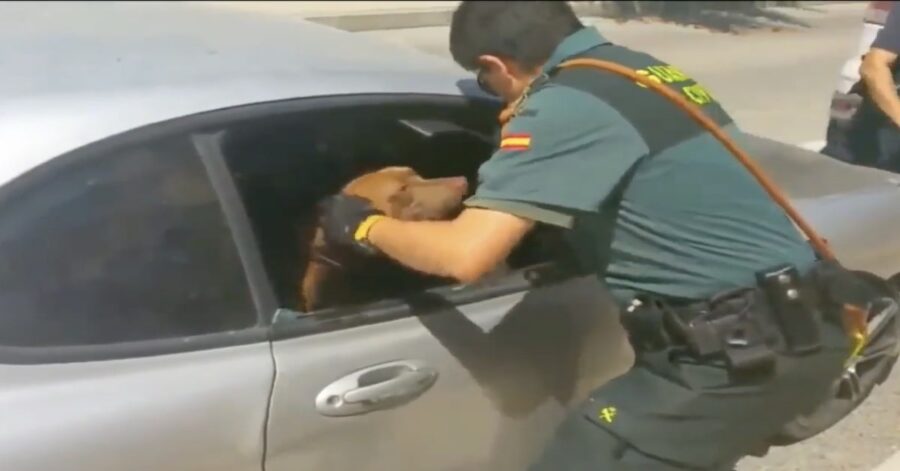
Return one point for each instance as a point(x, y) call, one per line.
point(398, 192)
point(401, 193)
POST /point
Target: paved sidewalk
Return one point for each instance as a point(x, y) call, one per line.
point(337, 8)
point(354, 16)
point(384, 15)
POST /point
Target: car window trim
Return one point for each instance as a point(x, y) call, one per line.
point(288, 323)
point(131, 349)
point(208, 147)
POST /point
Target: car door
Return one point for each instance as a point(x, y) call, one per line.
point(129, 337)
point(464, 378)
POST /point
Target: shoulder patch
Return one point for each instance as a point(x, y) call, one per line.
point(515, 141)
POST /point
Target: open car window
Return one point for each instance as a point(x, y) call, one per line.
point(283, 165)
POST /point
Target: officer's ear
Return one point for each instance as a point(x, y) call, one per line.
point(506, 67)
point(495, 74)
point(493, 65)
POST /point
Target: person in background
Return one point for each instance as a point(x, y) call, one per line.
point(874, 138)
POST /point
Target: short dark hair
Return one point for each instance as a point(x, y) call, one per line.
point(525, 32)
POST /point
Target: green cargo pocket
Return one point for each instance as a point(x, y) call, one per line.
point(691, 415)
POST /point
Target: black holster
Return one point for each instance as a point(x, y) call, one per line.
point(746, 327)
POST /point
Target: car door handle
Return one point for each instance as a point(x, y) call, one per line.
point(375, 388)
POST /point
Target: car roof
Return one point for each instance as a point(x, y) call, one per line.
point(79, 72)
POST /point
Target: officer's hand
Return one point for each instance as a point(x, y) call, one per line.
point(346, 220)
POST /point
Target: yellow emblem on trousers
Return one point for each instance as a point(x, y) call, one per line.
point(608, 414)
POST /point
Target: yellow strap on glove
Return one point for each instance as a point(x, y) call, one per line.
point(362, 231)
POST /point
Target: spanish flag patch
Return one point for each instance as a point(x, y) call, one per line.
point(515, 142)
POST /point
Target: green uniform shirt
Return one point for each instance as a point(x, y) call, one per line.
point(655, 204)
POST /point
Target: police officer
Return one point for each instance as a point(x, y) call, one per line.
point(680, 232)
point(874, 134)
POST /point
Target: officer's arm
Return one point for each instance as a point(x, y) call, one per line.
point(466, 248)
point(562, 155)
point(876, 69)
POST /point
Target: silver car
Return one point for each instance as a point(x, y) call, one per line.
point(160, 165)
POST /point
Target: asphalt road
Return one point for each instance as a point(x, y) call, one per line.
point(777, 84)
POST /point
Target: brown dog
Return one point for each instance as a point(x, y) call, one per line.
point(335, 277)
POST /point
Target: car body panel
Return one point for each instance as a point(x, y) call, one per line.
point(203, 411)
point(861, 228)
point(108, 67)
point(807, 175)
point(507, 368)
point(857, 209)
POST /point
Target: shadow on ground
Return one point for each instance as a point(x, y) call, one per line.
point(721, 16)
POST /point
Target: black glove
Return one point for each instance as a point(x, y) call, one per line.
point(342, 219)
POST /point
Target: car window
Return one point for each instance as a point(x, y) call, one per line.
point(125, 246)
point(283, 165)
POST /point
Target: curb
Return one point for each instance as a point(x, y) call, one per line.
point(891, 464)
point(814, 146)
point(421, 19)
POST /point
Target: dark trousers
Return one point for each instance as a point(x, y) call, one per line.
point(672, 412)
point(888, 153)
point(871, 142)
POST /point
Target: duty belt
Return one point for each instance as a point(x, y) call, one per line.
point(745, 327)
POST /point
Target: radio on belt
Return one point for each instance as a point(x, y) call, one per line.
point(798, 320)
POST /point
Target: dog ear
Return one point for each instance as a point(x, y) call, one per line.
point(324, 205)
point(404, 207)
